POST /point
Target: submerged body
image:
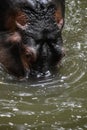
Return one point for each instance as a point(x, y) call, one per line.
point(30, 39)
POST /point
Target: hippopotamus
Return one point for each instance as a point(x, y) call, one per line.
point(31, 35)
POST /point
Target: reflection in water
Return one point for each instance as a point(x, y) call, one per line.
point(60, 101)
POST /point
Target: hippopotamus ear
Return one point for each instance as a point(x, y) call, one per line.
point(10, 12)
point(60, 12)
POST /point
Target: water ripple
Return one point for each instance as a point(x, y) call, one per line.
point(57, 102)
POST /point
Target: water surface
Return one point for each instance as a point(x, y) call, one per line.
point(60, 101)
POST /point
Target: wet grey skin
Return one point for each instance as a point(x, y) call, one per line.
point(43, 34)
point(40, 47)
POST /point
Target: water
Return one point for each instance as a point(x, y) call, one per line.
point(60, 101)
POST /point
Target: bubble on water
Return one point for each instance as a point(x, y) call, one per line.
point(42, 85)
point(42, 122)
point(23, 94)
point(78, 116)
point(63, 77)
point(42, 112)
point(34, 98)
point(15, 109)
point(25, 124)
point(10, 123)
point(5, 115)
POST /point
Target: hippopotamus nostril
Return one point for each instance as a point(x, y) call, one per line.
point(28, 56)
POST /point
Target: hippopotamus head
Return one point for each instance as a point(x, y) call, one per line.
point(42, 32)
point(30, 35)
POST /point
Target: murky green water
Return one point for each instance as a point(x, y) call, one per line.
point(60, 101)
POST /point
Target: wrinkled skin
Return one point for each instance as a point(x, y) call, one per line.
point(36, 43)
